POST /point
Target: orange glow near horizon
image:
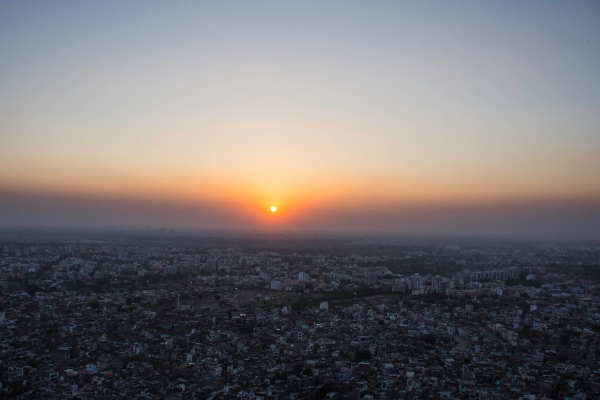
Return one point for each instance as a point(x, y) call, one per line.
point(304, 196)
point(306, 169)
point(320, 192)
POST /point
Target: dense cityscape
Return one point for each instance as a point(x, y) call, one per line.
point(166, 314)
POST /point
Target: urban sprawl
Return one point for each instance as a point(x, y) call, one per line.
point(155, 317)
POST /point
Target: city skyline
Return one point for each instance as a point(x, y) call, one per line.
point(397, 117)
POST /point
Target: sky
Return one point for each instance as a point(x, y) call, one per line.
point(438, 117)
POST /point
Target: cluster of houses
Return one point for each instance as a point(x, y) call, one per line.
point(90, 324)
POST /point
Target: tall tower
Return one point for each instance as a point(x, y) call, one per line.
point(178, 301)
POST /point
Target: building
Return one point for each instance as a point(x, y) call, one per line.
point(276, 285)
point(171, 269)
point(416, 282)
point(212, 265)
point(370, 278)
point(121, 255)
point(303, 276)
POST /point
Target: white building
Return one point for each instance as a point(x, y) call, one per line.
point(416, 281)
point(303, 276)
point(370, 278)
point(276, 285)
point(190, 356)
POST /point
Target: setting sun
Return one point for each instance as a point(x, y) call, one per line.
point(273, 208)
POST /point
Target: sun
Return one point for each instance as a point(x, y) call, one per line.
point(273, 208)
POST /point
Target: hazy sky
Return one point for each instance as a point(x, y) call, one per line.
point(479, 117)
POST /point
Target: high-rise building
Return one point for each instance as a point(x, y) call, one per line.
point(303, 276)
point(212, 265)
point(439, 284)
point(171, 269)
point(276, 285)
point(416, 281)
point(370, 278)
point(121, 254)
